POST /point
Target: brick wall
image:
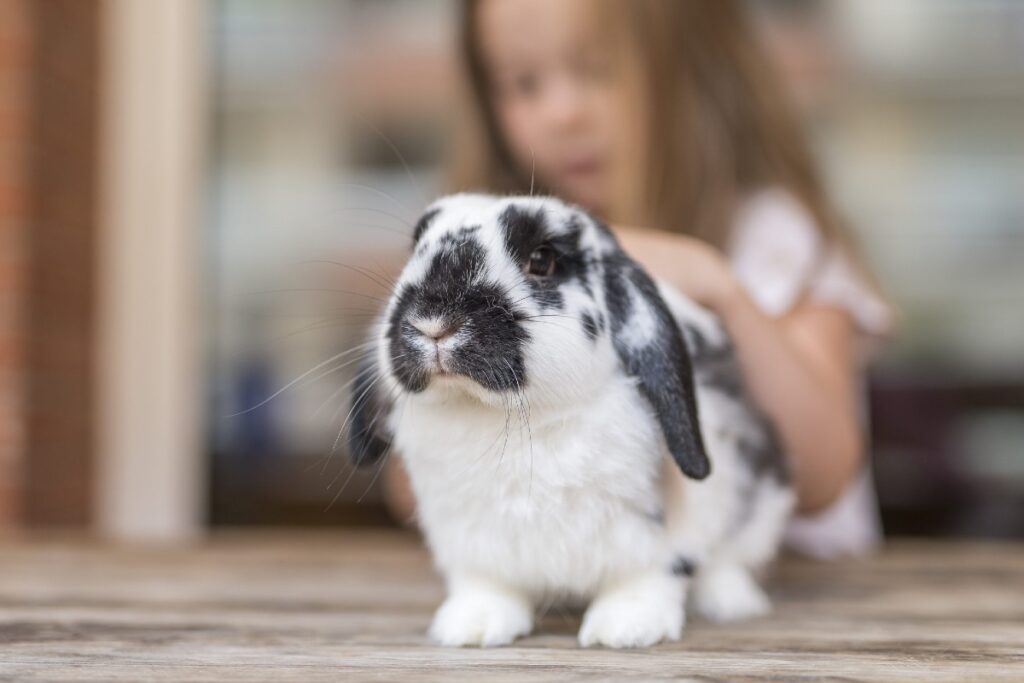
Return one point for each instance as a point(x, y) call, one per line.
point(48, 136)
point(15, 122)
point(59, 471)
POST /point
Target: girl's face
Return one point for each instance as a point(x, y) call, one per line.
point(553, 91)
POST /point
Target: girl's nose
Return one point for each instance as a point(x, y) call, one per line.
point(565, 106)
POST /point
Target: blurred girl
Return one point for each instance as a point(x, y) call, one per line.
point(663, 118)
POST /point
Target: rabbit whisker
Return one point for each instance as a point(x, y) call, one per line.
point(302, 377)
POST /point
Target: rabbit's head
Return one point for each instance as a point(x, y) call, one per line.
point(532, 296)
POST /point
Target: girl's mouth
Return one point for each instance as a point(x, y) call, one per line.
point(582, 167)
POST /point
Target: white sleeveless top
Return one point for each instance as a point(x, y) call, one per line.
point(780, 258)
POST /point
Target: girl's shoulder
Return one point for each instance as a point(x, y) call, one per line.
point(780, 255)
point(774, 248)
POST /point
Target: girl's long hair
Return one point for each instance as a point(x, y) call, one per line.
point(713, 124)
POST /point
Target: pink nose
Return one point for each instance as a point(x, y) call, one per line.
point(434, 329)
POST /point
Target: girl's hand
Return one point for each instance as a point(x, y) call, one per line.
point(694, 267)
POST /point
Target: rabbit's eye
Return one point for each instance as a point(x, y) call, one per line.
point(542, 262)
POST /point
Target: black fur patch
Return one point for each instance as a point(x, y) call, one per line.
point(765, 456)
point(453, 289)
point(585, 273)
point(525, 231)
point(449, 239)
point(714, 366)
point(407, 367)
point(682, 566)
point(547, 295)
point(366, 443)
point(422, 224)
point(620, 305)
point(572, 265)
point(717, 367)
point(590, 327)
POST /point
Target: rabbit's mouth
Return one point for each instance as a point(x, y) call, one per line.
point(445, 364)
point(437, 344)
point(418, 359)
point(472, 338)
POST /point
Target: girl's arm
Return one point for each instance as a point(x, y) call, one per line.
point(799, 368)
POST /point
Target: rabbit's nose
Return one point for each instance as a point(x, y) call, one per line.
point(434, 328)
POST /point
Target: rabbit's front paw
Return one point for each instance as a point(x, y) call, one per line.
point(729, 593)
point(481, 617)
point(639, 613)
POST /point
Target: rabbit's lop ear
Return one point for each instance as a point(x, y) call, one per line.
point(367, 441)
point(652, 349)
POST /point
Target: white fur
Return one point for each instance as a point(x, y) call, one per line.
point(478, 612)
point(568, 491)
point(641, 327)
point(638, 611)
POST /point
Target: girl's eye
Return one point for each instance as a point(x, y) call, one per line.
point(542, 262)
point(522, 84)
point(526, 84)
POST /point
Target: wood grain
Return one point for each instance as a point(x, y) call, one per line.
point(354, 605)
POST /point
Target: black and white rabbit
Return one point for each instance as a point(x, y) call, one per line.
point(548, 398)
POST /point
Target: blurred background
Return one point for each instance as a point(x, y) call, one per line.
point(179, 182)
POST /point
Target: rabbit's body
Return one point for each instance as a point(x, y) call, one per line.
point(540, 470)
point(524, 510)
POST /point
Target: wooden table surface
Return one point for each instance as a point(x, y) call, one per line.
point(354, 605)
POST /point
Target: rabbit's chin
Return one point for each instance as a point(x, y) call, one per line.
point(454, 387)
